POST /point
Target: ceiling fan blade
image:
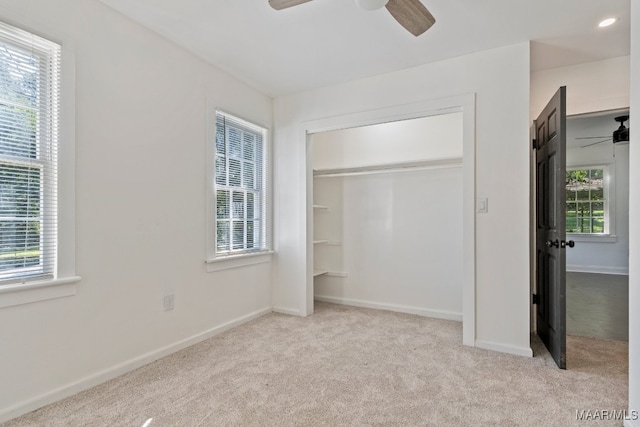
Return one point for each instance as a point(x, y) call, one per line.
point(592, 137)
point(412, 15)
point(283, 4)
point(595, 143)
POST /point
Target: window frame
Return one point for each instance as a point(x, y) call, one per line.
point(65, 280)
point(215, 260)
point(609, 236)
point(45, 161)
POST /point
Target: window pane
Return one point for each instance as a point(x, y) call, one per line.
point(259, 164)
point(19, 244)
point(19, 190)
point(598, 225)
point(583, 193)
point(257, 236)
point(584, 225)
point(222, 204)
point(220, 145)
point(576, 177)
point(251, 240)
point(235, 142)
point(571, 217)
point(250, 206)
point(597, 193)
point(249, 146)
point(17, 131)
point(584, 209)
point(221, 170)
point(235, 173)
point(586, 186)
point(238, 204)
point(597, 209)
point(247, 175)
point(18, 76)
point(222, 235)
point(238, 235)
point(597, 174)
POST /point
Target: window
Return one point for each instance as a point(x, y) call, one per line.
point(587, 200)
point(241, 190)
point(29, 109)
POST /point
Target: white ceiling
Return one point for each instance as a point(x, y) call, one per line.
point(325, 42)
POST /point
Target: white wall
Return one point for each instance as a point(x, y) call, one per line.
point(401, 235)
point(634, 227)
point(592, 255)
point(433, 137)
point(593, 86)
point(140, 210)
point(500, 79)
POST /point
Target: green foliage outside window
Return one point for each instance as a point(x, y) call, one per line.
point(586, 201)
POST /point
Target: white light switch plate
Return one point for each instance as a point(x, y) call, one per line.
point(482, 205)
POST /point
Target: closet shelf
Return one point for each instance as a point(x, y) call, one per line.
point(432, 163)
point(329, 273)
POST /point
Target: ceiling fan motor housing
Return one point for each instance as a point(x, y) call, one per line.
point(622, 133)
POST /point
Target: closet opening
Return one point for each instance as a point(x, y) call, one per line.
point(390, 215)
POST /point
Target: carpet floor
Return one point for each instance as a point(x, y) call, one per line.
point(352, 366)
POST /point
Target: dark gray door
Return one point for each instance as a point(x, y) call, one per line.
point(550, 218)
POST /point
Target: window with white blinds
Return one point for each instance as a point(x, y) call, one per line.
point(241, 187)
point(29, 109)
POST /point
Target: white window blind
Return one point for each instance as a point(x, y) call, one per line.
point(29, 110)
point(241, 187)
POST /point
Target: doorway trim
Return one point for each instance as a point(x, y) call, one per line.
point(462, 103)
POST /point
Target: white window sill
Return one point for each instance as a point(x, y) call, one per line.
point(593, 238)
point(236, 261)
point(30, 292)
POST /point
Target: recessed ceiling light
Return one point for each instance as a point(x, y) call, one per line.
point(607, 22)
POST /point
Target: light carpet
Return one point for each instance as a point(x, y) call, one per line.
point(352, 366)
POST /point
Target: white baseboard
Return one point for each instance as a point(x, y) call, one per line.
point(599, 269)
point(288, 311)
point(505, 348)
point(438, 314)
point(120, 369)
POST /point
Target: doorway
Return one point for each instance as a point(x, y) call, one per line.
point(464, 104)
point(387, 205)
point(598, 221)
point(581, 202)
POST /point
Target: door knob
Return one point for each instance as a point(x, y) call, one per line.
point(552, 243)
point(569, 243)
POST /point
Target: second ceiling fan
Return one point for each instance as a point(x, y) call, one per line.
point(411, 14)
point(620, 135)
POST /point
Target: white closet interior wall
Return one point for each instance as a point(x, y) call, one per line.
point(390, 238)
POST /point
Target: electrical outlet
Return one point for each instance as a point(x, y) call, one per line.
point(169, 301)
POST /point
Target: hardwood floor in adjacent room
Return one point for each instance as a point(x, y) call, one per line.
point(598, 305)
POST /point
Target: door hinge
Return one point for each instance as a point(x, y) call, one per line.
point(534, 144)
point(535, 299)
